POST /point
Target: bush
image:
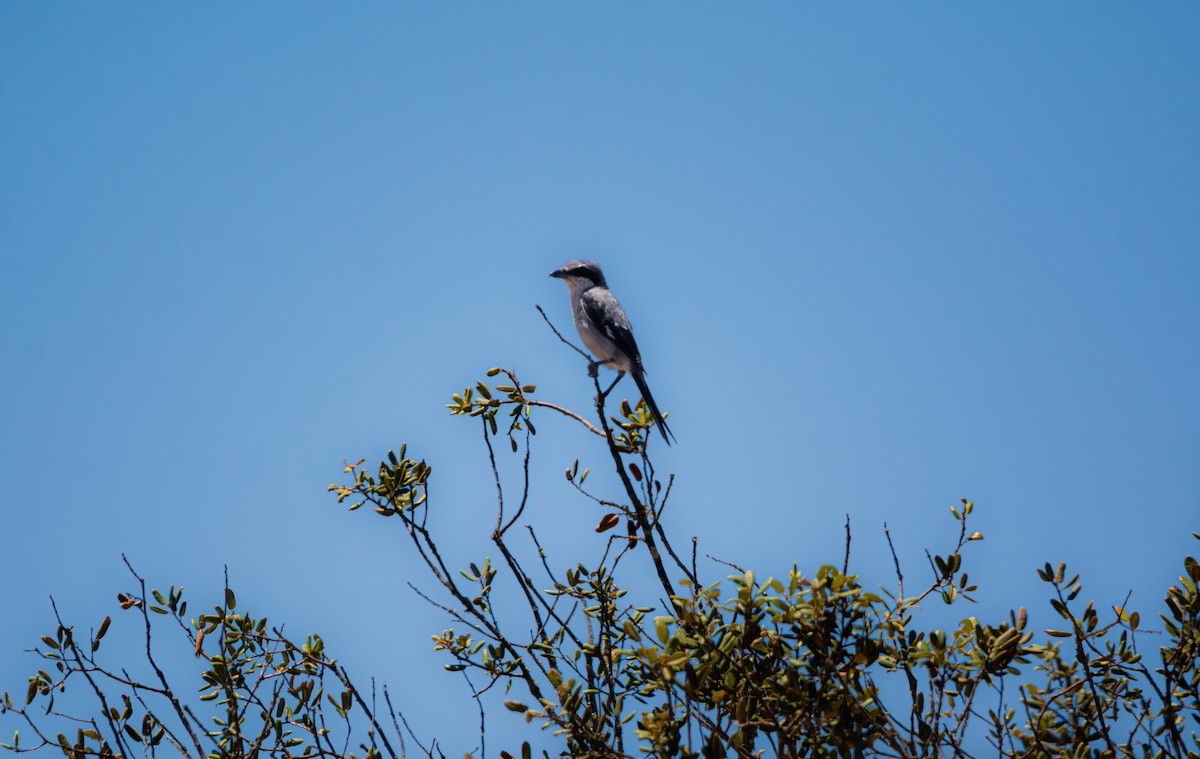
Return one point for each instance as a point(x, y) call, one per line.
point(812, 665)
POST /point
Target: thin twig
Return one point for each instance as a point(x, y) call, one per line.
point(896, 561)
point(846, 559)
point(479, 703)
point(117, 733)
point(157, 671)
point(525, 489)
point(560, 337)
point(726, 563)
point(495, 476)
point(565, 412)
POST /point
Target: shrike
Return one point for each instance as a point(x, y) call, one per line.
point(605, 329)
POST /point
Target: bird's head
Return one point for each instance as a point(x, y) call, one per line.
point(580, 274)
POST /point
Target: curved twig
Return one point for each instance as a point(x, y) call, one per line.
point(578, 350)
point(564, 412)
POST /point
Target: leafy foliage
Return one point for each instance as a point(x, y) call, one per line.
point(266, 694)
point(802, 665)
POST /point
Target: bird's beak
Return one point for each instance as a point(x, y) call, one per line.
point(557, 274)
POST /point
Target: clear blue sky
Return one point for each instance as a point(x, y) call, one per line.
point(878, 257)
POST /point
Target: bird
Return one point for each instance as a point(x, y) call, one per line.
point(605, 330)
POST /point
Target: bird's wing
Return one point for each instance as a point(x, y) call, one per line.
point(604, 311)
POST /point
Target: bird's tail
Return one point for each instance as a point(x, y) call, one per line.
point(640, 378)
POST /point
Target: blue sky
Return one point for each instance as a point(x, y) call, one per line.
point(878, 257)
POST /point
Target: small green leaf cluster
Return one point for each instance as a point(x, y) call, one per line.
point(480, 402)
point(490, 658)
point(398, 486)
point(633, 424)
point(588, 669)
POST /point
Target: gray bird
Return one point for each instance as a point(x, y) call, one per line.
point(605, 329)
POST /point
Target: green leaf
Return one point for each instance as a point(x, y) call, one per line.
point(1193, 568)
point(660, 628)
point(132, 732)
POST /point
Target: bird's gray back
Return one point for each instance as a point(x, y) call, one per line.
point(605, 314)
